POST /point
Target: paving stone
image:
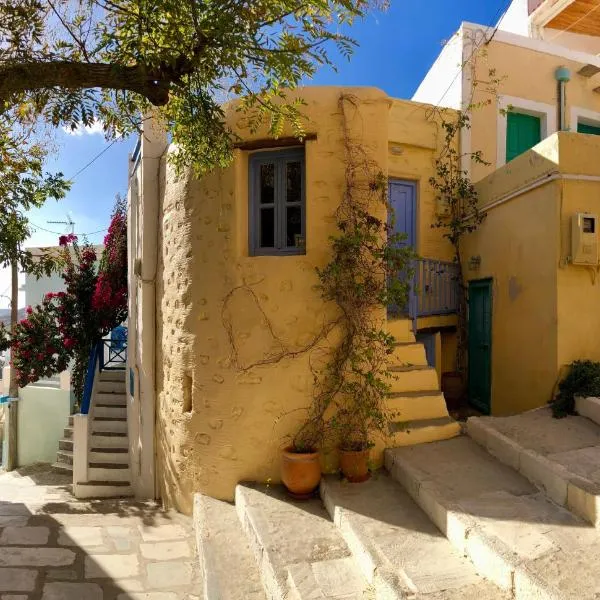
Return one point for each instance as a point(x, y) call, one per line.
point(130, 585)
point(62, 574)
point(149, 596)
point(24, 536)
point(165, 550)
point(13, 520)
point(169, 574)
point(80, 536)
point(113, 566)
point(162, 532)
point(72, 591)
point(14, 509)
point(14, 597)
point(14, 556)
point(17, 580)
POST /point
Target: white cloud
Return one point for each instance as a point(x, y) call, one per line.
point(96, 127)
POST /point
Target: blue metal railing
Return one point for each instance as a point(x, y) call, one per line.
point(435, 289)
point(109, 354)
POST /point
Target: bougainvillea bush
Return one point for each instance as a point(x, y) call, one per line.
point(66, 325)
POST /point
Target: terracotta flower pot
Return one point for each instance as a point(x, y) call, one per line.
point(355, 464)
point(454, 389)
point(300, 472)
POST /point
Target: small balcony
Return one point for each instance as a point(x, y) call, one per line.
point(574, 16)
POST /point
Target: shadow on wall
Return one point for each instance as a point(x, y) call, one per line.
point(53, 547)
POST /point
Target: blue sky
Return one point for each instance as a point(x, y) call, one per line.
point(396, 49)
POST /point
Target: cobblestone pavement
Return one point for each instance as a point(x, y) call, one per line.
point(54, 547)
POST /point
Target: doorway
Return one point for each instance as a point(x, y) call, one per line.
point(480, 345)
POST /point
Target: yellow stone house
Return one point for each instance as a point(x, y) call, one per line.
point(223, 267)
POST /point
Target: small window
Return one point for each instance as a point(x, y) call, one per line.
point(589, 129)
point(277, 203)
point(523, 132)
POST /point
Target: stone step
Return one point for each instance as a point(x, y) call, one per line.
point(588, 407)
point(560, 456)
point(71, 420)
point(409, 433)
point(68, 433)
point(109, 471)
point(113, 375)
point(512, 533)
point(110, 399)
point(117, 424)
point(408, 354)
point(110, 387)
point(61, 467)
point(226, 559)
point(299, 552)
point(409, 379)
point(401, 329)
point(104, 489)
point(395, 546)
point(65, 445)
point(109, 439)
point(64, 456)
point(109, 455)
point(417, 406)
point(118, 411)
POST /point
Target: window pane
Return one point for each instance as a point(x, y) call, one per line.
point(294, 226)
point(267, 184)
point(294, 181)
point(267, 227)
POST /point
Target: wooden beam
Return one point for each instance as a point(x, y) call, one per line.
point(267, 143)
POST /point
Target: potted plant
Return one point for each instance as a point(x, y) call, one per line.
point(300, 462)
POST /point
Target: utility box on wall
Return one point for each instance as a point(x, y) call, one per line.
point(584, 239)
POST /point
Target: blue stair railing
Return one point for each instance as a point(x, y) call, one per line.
point(88, 387)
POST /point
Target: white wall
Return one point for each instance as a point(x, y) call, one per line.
point(36, 289)
point(516, 19)
point(443, 83)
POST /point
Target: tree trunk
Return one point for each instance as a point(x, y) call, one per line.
point(13, 391)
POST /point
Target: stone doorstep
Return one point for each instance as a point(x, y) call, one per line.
point(315, 564)
point(226, 560)
point(490, 555)
point(576, 493)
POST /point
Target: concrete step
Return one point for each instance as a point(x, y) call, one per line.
point(408, 354)
point(68, 433)
point(113, 375)
point(109, 455)
point(64, 456)
point(395, 546)
point(104, 489)
point(401, 329)
point(110, 399)
point(110, 387)
point(417, 406)
point(409, 433)
point(109, 471)
point(71, 420)
point(560, 456)
point(512, 533)
point(411, 378)
point(66, 444)
point(118, 411)
point(118, 424)
point(61, 467)
point(226, 559)
point(109, 439)
point(299, 552)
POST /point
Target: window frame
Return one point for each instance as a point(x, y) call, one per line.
point(583, 116)
point(279, 158)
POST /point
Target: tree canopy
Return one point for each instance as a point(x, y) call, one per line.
point(76, 61)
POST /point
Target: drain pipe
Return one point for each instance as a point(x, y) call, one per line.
point(563, 76)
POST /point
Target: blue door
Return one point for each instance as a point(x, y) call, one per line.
point(403, 216)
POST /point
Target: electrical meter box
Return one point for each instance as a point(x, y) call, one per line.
point(584, 239)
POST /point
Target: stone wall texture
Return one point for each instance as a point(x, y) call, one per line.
point(221, 420)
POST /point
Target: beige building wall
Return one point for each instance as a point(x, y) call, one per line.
point(222, 416)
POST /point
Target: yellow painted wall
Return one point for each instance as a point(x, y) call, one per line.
point(219, 422)
point(526, 74)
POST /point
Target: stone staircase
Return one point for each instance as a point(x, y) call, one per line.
point(509, 509)
point(109, 474)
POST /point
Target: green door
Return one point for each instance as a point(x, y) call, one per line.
point(480, 344)
point(583, 128)
point(523, 132)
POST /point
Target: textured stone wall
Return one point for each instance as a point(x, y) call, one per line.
point(220, 420)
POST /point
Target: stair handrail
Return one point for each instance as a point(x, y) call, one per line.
point(95, 352)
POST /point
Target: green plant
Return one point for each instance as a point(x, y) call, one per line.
point(583, 379)
point(362, 279)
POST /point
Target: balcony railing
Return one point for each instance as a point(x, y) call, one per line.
point(435, 289)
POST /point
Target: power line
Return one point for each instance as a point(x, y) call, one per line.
point(62, 232)
point(91, 162)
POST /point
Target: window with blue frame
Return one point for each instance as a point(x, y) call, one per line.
point(277, 212)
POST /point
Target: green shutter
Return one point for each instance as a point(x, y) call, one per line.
point(583, 128)
point(523, 132)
